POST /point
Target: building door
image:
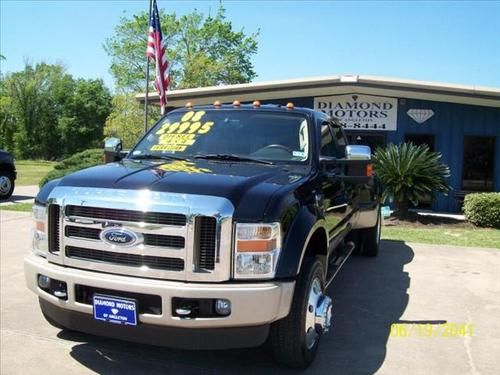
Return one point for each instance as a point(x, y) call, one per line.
point(479, 161)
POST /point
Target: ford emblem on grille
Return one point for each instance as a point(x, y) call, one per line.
point(120, 237)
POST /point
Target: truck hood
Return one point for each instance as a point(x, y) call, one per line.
point(248, 186)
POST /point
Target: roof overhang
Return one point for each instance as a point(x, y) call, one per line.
point(334, 85)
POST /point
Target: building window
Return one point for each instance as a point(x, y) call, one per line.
point(367, 139)
point(421, 139)
point(479, 156)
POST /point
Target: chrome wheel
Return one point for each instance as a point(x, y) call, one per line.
point(5, 185)
point(318, 314)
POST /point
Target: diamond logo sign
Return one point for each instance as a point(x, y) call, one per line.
point(420, 115)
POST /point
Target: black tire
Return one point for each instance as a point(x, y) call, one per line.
point(369, 238)
point(288, 336)
point(6, 184)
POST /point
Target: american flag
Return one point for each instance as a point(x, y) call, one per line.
point(156, 52)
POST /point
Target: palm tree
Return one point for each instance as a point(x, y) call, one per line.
point(408, 173)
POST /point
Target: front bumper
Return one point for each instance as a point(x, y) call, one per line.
point(253, 304)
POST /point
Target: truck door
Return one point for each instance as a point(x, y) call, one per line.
point(337, 195)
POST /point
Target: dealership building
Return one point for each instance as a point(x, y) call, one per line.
point(461, 122)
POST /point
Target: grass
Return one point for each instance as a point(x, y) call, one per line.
point(474, 237)
point(30, 172)
point(23, 207)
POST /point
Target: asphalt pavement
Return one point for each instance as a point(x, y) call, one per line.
point(22, 194)
point(424, 292)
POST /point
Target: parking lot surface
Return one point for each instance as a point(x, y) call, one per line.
point(427, 293)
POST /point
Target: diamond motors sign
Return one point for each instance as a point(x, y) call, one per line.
point(360, 112)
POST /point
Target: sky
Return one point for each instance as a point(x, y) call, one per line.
point(456, 42)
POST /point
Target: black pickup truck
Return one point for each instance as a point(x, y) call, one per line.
point(221, 228)
point(7, 174)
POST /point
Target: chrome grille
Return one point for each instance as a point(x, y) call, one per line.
point(54, 225)
point(149, 239)
point(205, 240)
point(182, 237)
point(126, 215)
point(159, 263)
point(82, 232)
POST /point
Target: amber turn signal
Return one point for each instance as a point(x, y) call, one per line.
point(244, 246)
point(369, 169)
point(40, 226)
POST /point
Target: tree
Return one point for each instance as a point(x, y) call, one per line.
point(204, 51)
point(82, 123)
point(7, 123)
point(34, 108)
point(45, 113)
point(126, 120)
point(408, 173)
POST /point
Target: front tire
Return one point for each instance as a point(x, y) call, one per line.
point(6, 184)
point(295, 339)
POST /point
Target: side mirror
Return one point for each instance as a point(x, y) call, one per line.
point(113, 144)
point(354, 168)
point(356, 152)
point(112, 150)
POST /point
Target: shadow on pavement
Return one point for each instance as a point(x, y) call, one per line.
point(369, 295)
point(18, 198)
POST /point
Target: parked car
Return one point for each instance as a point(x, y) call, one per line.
point(221, 228)
point(7, 174)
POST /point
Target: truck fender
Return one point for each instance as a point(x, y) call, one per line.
point(296, 241)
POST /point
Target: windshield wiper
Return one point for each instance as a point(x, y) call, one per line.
point(231, 157)
point(152, 157)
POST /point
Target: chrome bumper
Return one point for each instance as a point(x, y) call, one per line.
point(252, 303)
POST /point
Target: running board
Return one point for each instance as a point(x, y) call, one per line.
point(335, 266)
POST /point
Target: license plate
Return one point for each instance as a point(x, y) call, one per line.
point(115, 310)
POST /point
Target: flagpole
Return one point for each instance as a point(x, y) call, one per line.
point(147, 77)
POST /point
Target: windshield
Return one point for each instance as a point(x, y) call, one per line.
point(251, 134)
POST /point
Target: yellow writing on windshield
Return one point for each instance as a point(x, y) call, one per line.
point(171, 148)
point(182, 134)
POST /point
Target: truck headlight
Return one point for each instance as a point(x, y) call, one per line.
point(40, 239)
point(257, 248)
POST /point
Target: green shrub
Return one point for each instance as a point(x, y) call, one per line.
point(409, 173)
point(80, 160)
point(483, 209)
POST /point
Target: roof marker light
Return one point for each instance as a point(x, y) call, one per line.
point(290, 106)
point(217, 104)
point(256, 104)
point(236, 103)
point(189, 105)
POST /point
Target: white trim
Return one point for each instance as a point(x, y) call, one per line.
point(335, 85)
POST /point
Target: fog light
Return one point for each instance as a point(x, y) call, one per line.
point(60, 294)
point(223, 306)
point(60, 289)
point(43, 282)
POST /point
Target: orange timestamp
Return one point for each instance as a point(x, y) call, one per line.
point(447, 329)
